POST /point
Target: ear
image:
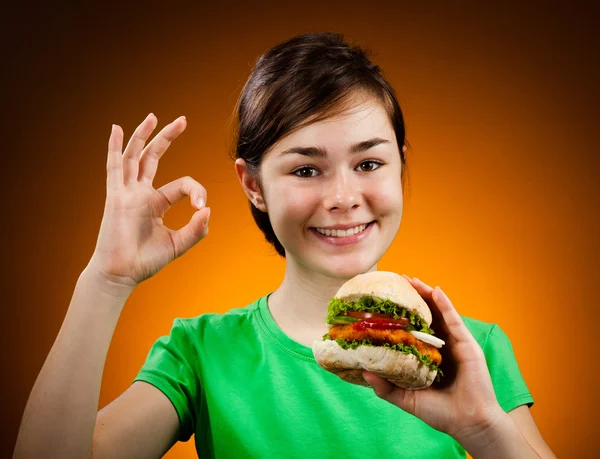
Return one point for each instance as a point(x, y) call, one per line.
point(250, 184)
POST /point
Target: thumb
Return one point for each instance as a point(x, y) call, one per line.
point(197, 229)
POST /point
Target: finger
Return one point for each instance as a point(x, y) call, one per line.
point(420, 285)
point(178, 189)
point(448, 325)
point(390, 392)
point(382, 387)
point(131, 156)
point(438, 323)
point(452, 320)
point(114, 163)
point(188, 236)
point(424, 290)
point(155, 149)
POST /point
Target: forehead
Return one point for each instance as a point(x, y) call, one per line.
point(366, 118)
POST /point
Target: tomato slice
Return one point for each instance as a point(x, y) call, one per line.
point(381, 324)
point(377, 321)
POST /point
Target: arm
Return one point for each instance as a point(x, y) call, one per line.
point(524, 420)
point(63, 404)
point(512, 435)
point(64, 399)
point(133, 245)
point(141, 423)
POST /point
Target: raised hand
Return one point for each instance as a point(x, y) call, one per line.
point(133, 243)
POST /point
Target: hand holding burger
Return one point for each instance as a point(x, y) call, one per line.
point(464, 406)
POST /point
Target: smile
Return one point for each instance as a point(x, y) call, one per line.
point(343, 237)
point(342, 233)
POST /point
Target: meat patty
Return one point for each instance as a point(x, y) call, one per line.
point(397, 336)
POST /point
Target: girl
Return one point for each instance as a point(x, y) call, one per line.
point(320, 146)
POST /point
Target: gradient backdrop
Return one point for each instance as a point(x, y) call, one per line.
point(501, 106)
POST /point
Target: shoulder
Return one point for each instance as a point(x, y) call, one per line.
point(217, 322)
point(480, 330)
point(509, 385)
point(494, 342)
point(487, 334)
point(218, 339)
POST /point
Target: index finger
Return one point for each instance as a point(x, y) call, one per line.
point(157, 146)
point(443, 309)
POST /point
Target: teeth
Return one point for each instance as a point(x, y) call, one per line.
point(342, 233)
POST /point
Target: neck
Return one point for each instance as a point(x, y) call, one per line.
point(299, 305)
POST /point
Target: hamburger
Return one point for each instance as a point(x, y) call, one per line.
point(378, 322)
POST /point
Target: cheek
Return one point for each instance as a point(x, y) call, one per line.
point(387, 195)
point(292, 202)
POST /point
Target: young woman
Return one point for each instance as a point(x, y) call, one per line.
point(320, 146)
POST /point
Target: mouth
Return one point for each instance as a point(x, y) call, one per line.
point(343, 237)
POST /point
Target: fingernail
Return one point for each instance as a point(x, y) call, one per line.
point(183, 117)
point(419, 280)
point(200, 202)
point(207, 217)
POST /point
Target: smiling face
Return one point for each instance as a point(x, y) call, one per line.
point(336, 174)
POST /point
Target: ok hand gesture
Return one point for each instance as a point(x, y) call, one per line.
point(133, 243)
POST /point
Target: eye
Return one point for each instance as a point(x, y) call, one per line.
point(304, 172)
point(370, 166)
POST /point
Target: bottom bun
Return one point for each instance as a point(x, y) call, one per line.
point(403, 370)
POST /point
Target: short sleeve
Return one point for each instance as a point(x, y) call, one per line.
point(509, 385)
point(170, 367)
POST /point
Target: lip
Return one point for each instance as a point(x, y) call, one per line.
point(346, 240)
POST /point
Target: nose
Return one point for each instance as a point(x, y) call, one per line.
point(341, 193)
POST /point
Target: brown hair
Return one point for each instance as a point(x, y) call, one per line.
point(302, 80)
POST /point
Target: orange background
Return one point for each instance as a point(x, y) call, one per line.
point(501, 105)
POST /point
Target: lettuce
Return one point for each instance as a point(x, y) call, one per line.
point(369, 304)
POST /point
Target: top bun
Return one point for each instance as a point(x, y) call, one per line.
point(385, 285)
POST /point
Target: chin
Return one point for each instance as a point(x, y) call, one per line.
point(346, 266)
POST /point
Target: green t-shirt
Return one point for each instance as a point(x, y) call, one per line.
point(247, 390)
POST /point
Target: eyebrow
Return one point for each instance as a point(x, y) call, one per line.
point(317, 152)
